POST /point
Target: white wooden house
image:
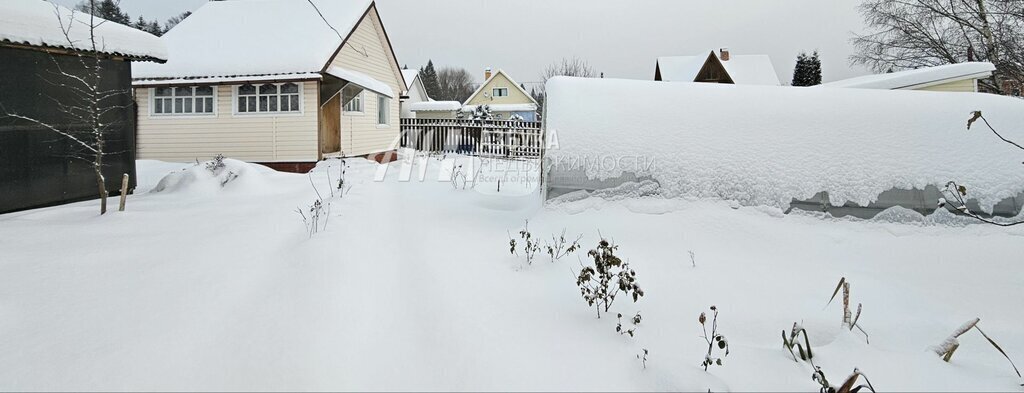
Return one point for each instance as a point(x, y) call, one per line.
point(279, 82)
point(415, 92)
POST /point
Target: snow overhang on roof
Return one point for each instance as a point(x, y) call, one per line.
point(362, 80)
point(37, 23)
point(919, 78)
point(221, 80)
point(435, 106)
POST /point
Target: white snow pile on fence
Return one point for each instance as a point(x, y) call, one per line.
point(919, 77)
point(769, 145)
point(39, 23)
point(210, 178)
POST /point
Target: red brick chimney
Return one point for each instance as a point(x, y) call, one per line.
point(487, 73)
point(724, 54)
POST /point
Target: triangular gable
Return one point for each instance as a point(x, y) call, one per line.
point(510, 80)
point(392, 60)
point(713, 71)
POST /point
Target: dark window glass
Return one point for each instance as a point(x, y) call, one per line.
point(246, 89)
point(204, 91)
point(182, 91)
point(289, 88)
point(268, 89)
point(163, 92)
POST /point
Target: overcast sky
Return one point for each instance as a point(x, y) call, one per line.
point(618, 37)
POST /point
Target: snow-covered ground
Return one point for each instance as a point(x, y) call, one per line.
point(412, 287)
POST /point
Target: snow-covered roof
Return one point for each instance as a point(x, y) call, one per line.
point(410, 78)
point(504, 107)
point(767, 145)
point(365, 81)
point(743, 69)
point(38, 23)
point(921, 77)
point(435, 106)
point(512, 81)
point(227, 79)
point(256, 37)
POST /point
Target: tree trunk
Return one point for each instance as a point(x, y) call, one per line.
point(100, 184)
point(991, 47)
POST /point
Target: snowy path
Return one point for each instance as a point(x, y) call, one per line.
point(412, 288)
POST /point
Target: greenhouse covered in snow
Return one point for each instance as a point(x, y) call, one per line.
point(846, 151)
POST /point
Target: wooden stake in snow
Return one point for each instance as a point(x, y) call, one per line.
point(124, 192)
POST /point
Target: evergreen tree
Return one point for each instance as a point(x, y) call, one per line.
point(808, 70)
point(149, 27)
point(106, 9)
point(429, 78)
point(175, 20)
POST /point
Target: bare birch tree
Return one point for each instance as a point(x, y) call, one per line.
point(566, 67)
point(87, 104)
point(908, 34)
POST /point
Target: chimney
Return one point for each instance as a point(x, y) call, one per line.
point(724, 54)
point(487, 73)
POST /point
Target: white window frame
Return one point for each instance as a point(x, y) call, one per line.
point(383, 107)
point(153, 98)
point(362, 103)
point(495, 89)
point(258, 113)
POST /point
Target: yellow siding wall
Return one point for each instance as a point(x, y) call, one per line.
point(966, 86)
point(514, 95)
point(360, 133)
point(255, 138)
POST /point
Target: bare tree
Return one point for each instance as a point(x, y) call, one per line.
point(565, 67)
point(84, 100)
point(908, 34)
point(455, 84)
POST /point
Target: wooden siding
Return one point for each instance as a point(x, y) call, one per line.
point(515, 96)
point(360, 133)
point(966, 86)
point(255, 138)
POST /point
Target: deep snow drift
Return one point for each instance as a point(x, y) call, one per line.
point(412, 287)
point(762, 145)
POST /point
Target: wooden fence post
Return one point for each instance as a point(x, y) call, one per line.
point(124, 192)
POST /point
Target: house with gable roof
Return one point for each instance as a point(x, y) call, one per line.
point(284, 83)
point(717, 67)
point(504, 98)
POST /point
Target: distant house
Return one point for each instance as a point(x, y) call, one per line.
point(436, 109)
point(414, 92)
point(962, 77)
point(36, 164)
point(505, 98)
point(717, 67)
point(279, 82)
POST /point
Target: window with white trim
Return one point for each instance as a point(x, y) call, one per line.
point(268, 98)
point(383, 110)
point(499, 92)
point(354, 99)
point(183, 100)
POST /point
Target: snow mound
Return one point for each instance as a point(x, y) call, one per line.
point(209, 178)
point(762, 145)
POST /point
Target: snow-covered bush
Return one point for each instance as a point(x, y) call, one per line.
point(846, 387)
point(559, 247)
point(635, 321)
point(715, 339)
point(530, 245)
point(215, 165)
point(610, 275)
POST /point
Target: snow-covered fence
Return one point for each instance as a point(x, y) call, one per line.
point(486, 138)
